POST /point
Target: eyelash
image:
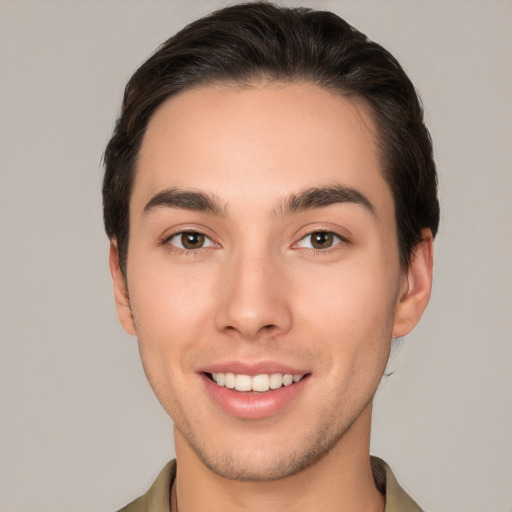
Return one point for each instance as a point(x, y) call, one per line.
point(337, 240)
point(183, 250)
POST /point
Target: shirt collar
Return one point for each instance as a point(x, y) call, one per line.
point(157, 499)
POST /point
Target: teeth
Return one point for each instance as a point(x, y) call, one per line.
point(229, 380)
point(243, 383)
point(259, 383)
point(276, 380)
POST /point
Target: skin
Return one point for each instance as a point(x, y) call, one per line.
point(258, 290)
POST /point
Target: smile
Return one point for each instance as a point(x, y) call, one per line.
point(251, 393)
point(257, 383)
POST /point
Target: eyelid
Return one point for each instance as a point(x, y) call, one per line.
point(179, 235)
point(180, 230)
point(335, 242)
point(311, 230)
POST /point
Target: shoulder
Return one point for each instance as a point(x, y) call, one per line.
point(138, 505)
point(157, 497)
point(397, 500)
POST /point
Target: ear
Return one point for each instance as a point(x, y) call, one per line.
point(121, 297)
point(415, 287)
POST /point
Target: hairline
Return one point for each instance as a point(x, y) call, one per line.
point(264, 78)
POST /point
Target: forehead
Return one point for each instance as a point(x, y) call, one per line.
point(259, 141)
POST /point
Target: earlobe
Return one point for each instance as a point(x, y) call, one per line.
point(121, 297)
point(416, 287)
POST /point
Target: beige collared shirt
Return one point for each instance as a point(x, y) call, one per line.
point(157, 499)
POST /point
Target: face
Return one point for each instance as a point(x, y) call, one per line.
point(263, 276)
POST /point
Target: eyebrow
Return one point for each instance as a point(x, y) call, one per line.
point(186, 200)
point(309, 199)
point(321, 197)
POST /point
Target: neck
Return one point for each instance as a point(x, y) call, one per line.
point(341, 481)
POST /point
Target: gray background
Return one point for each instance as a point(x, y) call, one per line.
point(79, 427)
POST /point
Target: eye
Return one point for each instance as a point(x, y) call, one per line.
point(189, 240)
point(319, 240)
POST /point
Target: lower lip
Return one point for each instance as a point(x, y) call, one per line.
point(253, 405)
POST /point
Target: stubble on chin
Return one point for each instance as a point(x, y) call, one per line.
point(271, 463)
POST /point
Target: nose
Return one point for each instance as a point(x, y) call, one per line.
point(254, 298)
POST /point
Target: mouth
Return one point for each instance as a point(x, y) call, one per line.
point(261, 383)
point(256, 391)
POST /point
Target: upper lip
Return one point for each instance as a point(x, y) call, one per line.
point(252, 368)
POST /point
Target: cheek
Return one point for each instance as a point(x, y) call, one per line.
point(170, 298)
point(350, 312)
point(352, 291)
point(171, 308)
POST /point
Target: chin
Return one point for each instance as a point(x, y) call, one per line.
point(251, 469)
point(267, 463)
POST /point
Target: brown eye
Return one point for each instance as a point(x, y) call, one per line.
point(322, 240)
point(190, 240)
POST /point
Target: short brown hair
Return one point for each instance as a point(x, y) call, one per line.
point(248, 42)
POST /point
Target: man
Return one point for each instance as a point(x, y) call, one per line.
point(271, 201)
